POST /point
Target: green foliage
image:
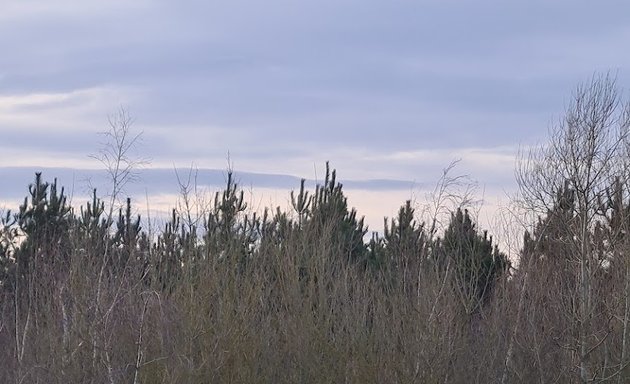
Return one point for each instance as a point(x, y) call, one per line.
point(477, 263)
point(329, 214)
point(44, 219)
point(404, 237)
point(551, 243)
point(227, 229)
point(169, 251)
point(613, 233)
point(91, 226)
point(302, 203)
point(8, 234)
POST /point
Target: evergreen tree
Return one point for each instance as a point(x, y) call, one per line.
point(405, 242)
point(127, 241)
point(8, 234)
point(229, 231)
point(92, 228)
point(476, 263)
point(549, 264)
point(44, 219)
point(329, 213)
point(169, 252)
point(404, 237)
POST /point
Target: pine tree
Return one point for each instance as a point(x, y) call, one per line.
point(126, 241)
point(8, 234)
point(477, 263)
point(405, 243)
point(329, 213)
point(44, 219)
point(92, 227)
point(230, 233)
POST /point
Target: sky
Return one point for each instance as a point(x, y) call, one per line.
point(384, 90)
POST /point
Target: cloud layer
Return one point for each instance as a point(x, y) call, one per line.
point(384, 90)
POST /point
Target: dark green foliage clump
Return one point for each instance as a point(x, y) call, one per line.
point(326, 213)
point(476, 263)
point(44, 220)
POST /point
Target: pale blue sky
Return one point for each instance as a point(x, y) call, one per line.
point(383, 89)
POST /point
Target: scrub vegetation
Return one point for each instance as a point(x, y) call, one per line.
point(221, 294)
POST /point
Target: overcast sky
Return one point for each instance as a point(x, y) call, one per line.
point(390, 89)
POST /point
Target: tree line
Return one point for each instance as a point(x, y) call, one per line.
point(220, 293)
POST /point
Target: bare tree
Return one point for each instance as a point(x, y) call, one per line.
point(584, 157)
point(117, 157)
point(193, 202)
point(450, 193)
point(117, 154)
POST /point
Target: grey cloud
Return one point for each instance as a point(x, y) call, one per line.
point(165, 181)
point(286, 81)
